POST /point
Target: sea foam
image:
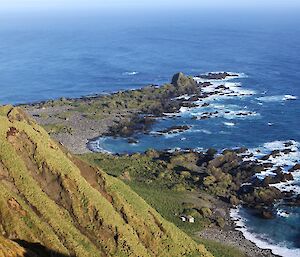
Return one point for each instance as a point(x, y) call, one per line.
point(288, 156)
point(130, 73)
point(277, 98)
point(262, 241)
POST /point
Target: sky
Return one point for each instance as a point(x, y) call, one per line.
point(71, 4)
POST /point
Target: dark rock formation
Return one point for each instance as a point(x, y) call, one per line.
point(217, 76)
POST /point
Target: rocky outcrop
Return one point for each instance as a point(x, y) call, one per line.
point(174, 129)
point(217, 75)
point(179, 80)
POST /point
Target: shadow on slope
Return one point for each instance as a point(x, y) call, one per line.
point(38, 250)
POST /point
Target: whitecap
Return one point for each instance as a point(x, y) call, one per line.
point(292, 185)
point(175, 149)
point(236, 88)
point(277, 98)
point(222, 132)
point(286, 158)
point(205, 131)
point(170, 135)
point(130, 73)
point(96, 146)
point(228, 112)
point(282, 213)
point(184, 109)
point(239, 114)
point(280, 145)
point(185, 97)
point(229, 124)
point(290, 97)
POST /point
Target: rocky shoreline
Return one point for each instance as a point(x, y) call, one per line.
point(236, 239)
point(223, 181)
point(229, 176)
point(74, 122)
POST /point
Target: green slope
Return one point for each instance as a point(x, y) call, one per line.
point(49, 197)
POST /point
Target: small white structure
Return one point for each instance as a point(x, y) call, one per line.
point(188, 218)
point(183, 218)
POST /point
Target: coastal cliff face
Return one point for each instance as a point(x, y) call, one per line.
point(52, 202)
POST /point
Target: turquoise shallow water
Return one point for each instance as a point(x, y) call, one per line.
point(48, 55)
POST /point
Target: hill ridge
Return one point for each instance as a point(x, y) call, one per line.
point(53, 198)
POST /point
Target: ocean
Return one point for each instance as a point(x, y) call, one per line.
point(51, 55)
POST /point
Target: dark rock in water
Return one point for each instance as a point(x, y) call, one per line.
point(266, 157)
point(132, 141)
point(288, 144)
point(288, 194)
point(194, 98)
point(267, 214)
point(243, 113)
point(174, 129)
point(267, 165)
point(285, 176)
point(275, 153)
point(296, 167)
point(268, 180)
point(217, 76)
point(287, 151)
point(256, 196)
point(204, 117)
point(222, 87)
point(293, 201)
point(189, 105)
point(205, 105)
point(206, 84)
point(278, 171)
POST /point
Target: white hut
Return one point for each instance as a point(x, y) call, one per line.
point(183, 218)
point(190, 219)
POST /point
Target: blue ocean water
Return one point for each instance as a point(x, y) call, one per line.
point(50, 55)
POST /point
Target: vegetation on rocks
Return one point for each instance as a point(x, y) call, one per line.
point(119, 114)
point(225, 176)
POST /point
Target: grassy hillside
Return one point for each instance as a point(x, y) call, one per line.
point(9, 248)
point(154, 180)
point(52, 199)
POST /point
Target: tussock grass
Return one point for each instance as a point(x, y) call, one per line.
point(80, 210)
